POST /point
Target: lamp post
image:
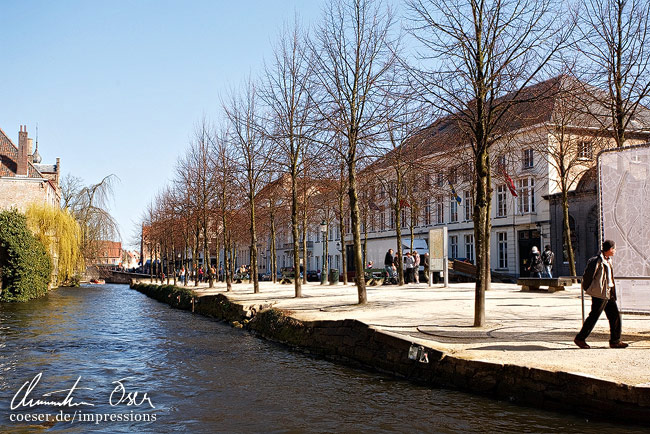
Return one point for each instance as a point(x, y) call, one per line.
point(323, 231)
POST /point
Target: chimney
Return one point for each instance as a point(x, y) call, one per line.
point(23, 152)
point(30, 156)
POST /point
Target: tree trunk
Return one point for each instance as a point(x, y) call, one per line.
point(226, 252)
point(273, 253)
point(567, 233)
point(304, 248)
point(297, 284)
point(342, 231)
point(206, 255)
point(253, 264)
point(482, 235)
point(195, 256)
point(356, 231)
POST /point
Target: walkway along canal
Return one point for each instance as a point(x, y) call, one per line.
point(204, 376)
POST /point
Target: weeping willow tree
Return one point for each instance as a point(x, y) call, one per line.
point(60, 234)
point(89, 206)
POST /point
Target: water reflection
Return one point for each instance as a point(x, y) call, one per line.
point(204, 376)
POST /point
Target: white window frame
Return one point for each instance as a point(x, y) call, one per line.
point(528, 159)
point(440, 210)
point(469, 247)
point(453, 246)
point(502, 201)
point(526, 195)
point(585, 150)
point(469, 205)
point(502, 250)
point(453, 209)
point(427, 213)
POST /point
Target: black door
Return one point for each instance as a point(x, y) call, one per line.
point(526, 240)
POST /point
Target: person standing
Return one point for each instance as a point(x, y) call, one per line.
point(598, 282)
point(388, 263)
point(535, 263)
point(548, 258)
point(416, 266)
point(408, 266)
point(425, 264)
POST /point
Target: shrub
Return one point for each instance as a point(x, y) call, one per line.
point(25, 266)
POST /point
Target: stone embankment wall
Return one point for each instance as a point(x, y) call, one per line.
point(355, 343)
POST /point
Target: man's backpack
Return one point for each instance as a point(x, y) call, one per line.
point(547, 257)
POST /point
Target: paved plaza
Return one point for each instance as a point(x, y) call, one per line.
point(534, 329)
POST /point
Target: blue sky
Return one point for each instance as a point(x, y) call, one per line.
point(117, 86)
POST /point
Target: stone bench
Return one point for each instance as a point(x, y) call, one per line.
point(552, 284)
point(375, 276)
point(287, 277)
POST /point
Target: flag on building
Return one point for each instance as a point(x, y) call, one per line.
point(453, 191)
point(403, 203)
point(510, 183)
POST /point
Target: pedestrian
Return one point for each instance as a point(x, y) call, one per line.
point(535, 265)
point(201, 274)
point(425, 265)
point(408, 266)
point(598, 282)
point(416, 266)
point(548, 258)
point(388, 263)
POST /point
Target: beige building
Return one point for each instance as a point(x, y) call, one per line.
point(23, 178)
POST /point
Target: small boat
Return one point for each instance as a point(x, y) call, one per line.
point(97, 281)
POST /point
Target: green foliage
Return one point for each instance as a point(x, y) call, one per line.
point(60, 233)
point(25, 266)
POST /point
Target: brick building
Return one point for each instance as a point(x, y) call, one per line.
point(23, 178)
point(109, 252)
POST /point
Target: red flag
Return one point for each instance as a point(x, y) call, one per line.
point(510, 184)
point(403, 203)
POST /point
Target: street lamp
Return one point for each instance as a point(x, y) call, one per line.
point(323, 231)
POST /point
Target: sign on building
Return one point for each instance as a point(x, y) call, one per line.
point(624, 185)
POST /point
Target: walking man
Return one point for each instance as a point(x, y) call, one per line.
point(598, 281)
point(548, 258)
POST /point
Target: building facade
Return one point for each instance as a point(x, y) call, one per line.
point(23, 178)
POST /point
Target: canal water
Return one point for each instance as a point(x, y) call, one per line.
point(144, 367)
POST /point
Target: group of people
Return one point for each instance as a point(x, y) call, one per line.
point(201, 274)
point(412, 262)
point(541, 265)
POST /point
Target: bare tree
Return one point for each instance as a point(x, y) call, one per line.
point(222, 162)
point(483, 51)
point(89, 205)
point(615, 46)
point(253, 156)
point(287, 95)
point(354, 52)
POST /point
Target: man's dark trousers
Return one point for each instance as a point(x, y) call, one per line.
point(611, 310)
